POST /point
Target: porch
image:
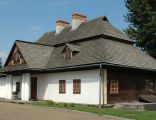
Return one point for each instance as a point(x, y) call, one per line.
point(126, 86)
point(21, 87)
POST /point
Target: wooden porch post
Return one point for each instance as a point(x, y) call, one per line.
point(105, 87)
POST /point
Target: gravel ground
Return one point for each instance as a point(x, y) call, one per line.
point(10, 111)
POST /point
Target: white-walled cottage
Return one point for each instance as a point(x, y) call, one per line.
point(87, 62)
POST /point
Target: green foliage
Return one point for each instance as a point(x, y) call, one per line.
point(72, 105)
point(0, 63)
point(57, 105)
point(65, 105)
point(50, 102)
point(141, 17)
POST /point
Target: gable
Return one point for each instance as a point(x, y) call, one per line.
point(67, 53)
point(70, 50)
point(15, 57)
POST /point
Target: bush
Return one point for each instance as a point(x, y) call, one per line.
point(65, 105)
point(50, 102)
point(57, 104)
point(72, 105)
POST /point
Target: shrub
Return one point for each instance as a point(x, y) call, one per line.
point(57, 104)
point(50, 102)
point(65, 105)
point(72, 105)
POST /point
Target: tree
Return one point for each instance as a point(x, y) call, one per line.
point(141, 17)
point(0, 63)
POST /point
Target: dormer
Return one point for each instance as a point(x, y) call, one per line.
point(70, 50)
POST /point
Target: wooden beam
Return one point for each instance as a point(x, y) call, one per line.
point(105, 87)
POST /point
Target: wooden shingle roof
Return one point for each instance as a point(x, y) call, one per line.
point(98, 26)
point(46, 53)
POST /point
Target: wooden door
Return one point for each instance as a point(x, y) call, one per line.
point(33, 88)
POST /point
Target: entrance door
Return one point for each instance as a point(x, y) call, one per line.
point(33, 88)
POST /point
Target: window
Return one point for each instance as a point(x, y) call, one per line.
point(114, 87)
point(62, 86)
point(76, 86)
point(16, 58)
point(70, 50)
point(67, 53)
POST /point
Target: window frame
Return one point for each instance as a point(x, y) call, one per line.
point(77, 86)
point(62, 86)
point(114, 86)
point(16, 58)
point(68, 53)
point(18, 87)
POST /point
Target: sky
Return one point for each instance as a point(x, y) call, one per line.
point(28, 20)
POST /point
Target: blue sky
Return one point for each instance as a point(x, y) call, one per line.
point(29, 19)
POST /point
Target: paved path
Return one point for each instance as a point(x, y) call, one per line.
point(10, 111)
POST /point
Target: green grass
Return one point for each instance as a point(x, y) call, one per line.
point(132, 114)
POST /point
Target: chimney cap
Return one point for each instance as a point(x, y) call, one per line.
point(62, 23)
point(79, 16)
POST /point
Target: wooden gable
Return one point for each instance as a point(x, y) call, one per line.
point(15, 57)
point(67, 53)
point(70, 50)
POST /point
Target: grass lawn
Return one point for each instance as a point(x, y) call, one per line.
point(132, 114)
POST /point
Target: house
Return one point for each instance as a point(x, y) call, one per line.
point(87, 62)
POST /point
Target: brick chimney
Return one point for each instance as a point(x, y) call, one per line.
point(60, 25)
point(77, 19)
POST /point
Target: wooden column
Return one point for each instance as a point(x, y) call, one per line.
point(105, 87)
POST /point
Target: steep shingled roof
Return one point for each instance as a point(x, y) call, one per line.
point(104, 50)
point(47, 54)
point(35, 55)
point(87, 29)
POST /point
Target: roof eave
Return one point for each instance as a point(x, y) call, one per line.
point(78, 67)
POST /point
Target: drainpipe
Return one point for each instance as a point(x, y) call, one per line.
point(100, 86)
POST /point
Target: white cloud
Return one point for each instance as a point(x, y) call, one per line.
point(4, 56)
point(57, 3)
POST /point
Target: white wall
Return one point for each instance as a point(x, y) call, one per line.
point(25, 87)
point(48, 87)
point(2, 87)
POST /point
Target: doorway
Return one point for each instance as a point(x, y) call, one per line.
point(34, 88)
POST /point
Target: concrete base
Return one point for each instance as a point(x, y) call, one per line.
point(136, 106)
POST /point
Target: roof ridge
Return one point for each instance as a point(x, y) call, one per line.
point(32, 43)
point(99, 22)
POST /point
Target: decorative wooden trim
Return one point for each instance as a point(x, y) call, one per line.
point(16, 57)
point(105, 87)
point(67, 53)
